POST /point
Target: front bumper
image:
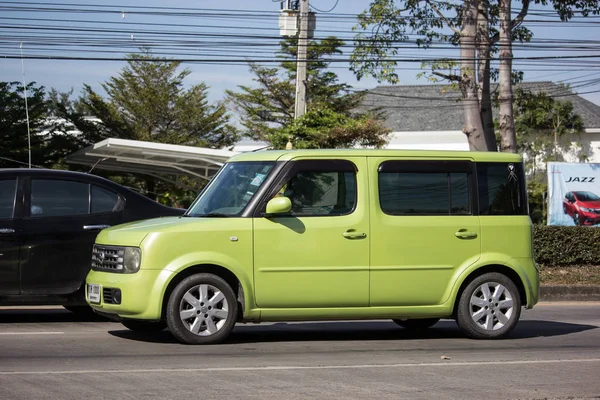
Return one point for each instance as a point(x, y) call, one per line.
point(588, 218)
point(141, 293)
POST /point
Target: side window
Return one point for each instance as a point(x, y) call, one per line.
point(53, 197)
point(424, 188)
point(321, 188)
point(8, 188)
point(103, 200)
point(501, 189)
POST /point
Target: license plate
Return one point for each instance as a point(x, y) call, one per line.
point(94, 293)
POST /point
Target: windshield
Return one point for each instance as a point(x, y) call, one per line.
point(231, 189)
point(587, 196)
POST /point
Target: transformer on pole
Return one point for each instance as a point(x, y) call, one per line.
point(289, 19)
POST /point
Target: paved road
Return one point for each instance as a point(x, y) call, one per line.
point(51, 354)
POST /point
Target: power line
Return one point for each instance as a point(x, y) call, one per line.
point(328, 11)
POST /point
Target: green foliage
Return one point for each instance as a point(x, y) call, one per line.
point(267, 109)
point(147, 101)
point(538, 209)
point(386, 23)
point(48, 144)
point(563, 246)
point(325, 128)
point(545, 128)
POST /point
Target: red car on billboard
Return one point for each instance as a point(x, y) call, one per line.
point(583, 207)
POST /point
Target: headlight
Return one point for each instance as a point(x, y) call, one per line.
point(132, 260)
point(587, 209)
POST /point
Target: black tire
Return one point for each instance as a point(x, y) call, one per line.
point(576, 219)
point(143, 326)
point(467, 323)
point(181, 329)
point(417, 324)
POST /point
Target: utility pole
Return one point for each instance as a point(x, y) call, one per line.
point(301, 60)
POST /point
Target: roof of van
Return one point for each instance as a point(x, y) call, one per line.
point(286, 155)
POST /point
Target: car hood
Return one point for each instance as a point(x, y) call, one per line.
point(133, 233)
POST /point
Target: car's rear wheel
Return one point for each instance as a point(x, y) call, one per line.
point(143, 326)
point(202, 309)
point(417, 324)
point(489, 307)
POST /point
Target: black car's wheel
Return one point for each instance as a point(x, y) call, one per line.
point(143, 326)
point(202, 309)
point(417, 324)
point(576, 219)
point(489, 307)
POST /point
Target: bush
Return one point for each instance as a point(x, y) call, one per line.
point(561, 246)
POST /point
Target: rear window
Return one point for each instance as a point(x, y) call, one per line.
point(501, 189)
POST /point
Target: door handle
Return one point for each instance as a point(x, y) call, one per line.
point(352, 234)
point(465, 234)
point(95, 227)
point(6, 231)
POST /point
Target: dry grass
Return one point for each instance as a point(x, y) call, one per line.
point(585, 275)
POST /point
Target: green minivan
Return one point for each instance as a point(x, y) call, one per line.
point(303, 235)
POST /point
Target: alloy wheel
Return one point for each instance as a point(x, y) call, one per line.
point(491, 306)
point(204, 310)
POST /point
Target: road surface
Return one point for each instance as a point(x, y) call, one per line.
point(554, 353)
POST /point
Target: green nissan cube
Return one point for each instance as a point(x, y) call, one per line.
point(304, 235)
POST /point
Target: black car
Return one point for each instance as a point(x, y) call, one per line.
point(49, 220)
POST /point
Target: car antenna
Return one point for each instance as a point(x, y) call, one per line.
point(97, 162)
point(262, 148)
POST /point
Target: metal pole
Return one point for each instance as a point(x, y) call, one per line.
point(26, 107)
point(301, 61)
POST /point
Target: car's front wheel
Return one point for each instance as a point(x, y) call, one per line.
point(202, 309)
point(489, 307)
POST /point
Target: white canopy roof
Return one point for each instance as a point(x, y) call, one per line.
point(155, 159)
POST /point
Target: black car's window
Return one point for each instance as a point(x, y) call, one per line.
point(7, 197)
point(103, 200)
point(53, 197)
point(321, 188)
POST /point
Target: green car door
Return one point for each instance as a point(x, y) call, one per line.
point(317, 255)
point(423, 228)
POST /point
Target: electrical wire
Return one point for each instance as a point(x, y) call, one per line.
point(328, 11)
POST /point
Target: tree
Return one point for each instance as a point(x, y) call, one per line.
point(545, 129)
point(327, 129)
point(13, 126)
point(332, 119)
point(147, 101)
point(476, 26)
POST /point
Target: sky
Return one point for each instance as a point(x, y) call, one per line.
point(256, 25)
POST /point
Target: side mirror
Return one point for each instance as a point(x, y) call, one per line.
point(278, 205)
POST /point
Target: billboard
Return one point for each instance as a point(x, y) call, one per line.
point(573, 194)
